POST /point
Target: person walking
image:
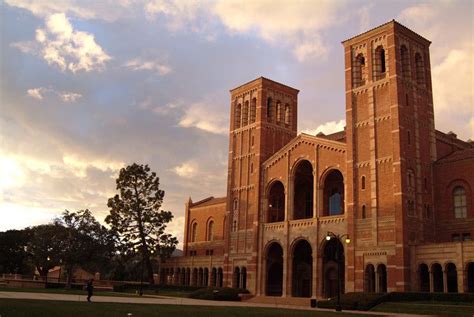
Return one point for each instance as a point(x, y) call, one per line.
point(90, 289)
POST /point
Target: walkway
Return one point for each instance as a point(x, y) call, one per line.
point(164, 300)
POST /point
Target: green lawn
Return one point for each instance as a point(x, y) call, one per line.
point(427, 308)
point(66, 291)
point(33, 308)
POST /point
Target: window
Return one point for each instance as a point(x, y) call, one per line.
point(459, 200)
point(235, 205)
point(427, 211)
point(253, 110)
point(407, 100)
point(252, 141)
point(379, 63)
point(194, 232)
point(411, 179)
point(420, 69)
point(405, 59)
point(358, 68)
point(455, 237)
point(364, 214)
point(251, 168)
point(425, 182)
point(411, 208)
point(409, 137)
point(287, 115)
point(466, 237)
point(279, 115)
point(269, 110)
point(237, 116)
point(209, 252)
point(210, 231)
point(234, 225)
point(362, 182)
point(245, 114)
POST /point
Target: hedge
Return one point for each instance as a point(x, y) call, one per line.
point(123, 287)
point(215, 293)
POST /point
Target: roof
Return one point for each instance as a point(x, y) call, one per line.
point(336, 136)
point(209, 201)
point(385, 24)
point(457, 156)
point(266, 79)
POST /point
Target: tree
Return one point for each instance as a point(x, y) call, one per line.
point(87, 244)
point(136, 216)
point(13, 252)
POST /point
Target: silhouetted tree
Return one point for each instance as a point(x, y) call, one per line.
point(13, 252)
point(136, 216)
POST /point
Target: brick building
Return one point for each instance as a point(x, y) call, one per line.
point(401, 191)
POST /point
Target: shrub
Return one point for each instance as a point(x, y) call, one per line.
point(215, 293)
point(123, 287)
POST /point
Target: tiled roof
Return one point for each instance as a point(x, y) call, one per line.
point(457, 156)
point(209, 201)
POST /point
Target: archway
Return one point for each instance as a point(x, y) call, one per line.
point(424, 277)
point(382, 276)
point(205, 281)
point(452, 278)
point(333, 196)
point(220, 277)
point(213, 277)
point(194, 277)
point(369, 279)
point(437, 272)
point(303, 191)
point(332, 256)
point(243, 278)
point(236, 278)
point(302, 269)
point(470, 277)
point(274, 278)
point(276, 202)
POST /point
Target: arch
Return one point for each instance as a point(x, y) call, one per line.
point(382, 278)
point(420, 69)
point(369, 279)
point(205, 281)
point(364, 212)
point(358, 68)
point(451, 278)
point(424, 277)
point(302, 268)
point(243, 278)
point(379, 63)
point(470, 277)
point(194, 227)
point(405, 61)
point(459, 202)
point(236, 278)
point(237, 116)
point(274, 270)
point(210, 229)
point(245, 113)
point(253, 110)
point(303, 188)
point(333, 267)
point(270, 109)
point(194, 276)
point(287, 115)
point(437, 272)
point(200, 280)
point(333, 193)
point(276, 202)
point(220, 277)
point(362, 182)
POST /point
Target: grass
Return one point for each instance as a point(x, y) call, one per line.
point(67, 291)
point(427, 308)
point(36, 308)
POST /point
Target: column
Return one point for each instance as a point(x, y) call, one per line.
point(431, 281)
point(445, 281)
point(315, 276)
point(377, 280)
point(285, 273)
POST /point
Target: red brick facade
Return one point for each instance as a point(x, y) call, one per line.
point(400, 190)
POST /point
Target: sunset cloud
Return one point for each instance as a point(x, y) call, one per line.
point(154, 66)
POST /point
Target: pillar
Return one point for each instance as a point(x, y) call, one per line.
point(431, 281)
point(445, 281)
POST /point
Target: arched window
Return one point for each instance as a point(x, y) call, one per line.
point(234, 225)
point(379, 63)
point(194, 232)
point(276, 202)
point(333, 194)
point(459, 202)
point(269, 110)
point(279, 116)
point(411, 207)
point(210, 231)
point(405, 59)
point(362, 182)
point(364, 212)
point(411, 179)
point(358, 69)
point(237, 115)
point(409, 137)
point(287, 115)
point(420, 69)
point(251, 168)
point(235, 204)
point(253, 110)
point(245, 114)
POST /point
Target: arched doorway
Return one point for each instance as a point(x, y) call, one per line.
point(302, 269)
point(470, 277)
point(437, 272)
point(382, 276)
point(213, 277)
point(276, 202)
point(236, 278)
point(369, 279)
point(424, 277)
point(243, 278)
point(333, 256)
point(205, 281)
point(333, 195)
point(274, 279)
point(220, 277)
point(452, 278)
point(303, 191)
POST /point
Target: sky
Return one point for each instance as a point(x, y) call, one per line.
point(88, 87)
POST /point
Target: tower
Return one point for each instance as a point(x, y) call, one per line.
point(389, 187)
point(263, 119)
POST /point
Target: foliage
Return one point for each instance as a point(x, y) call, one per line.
point(136, 216)
point(13, 253)
point(215, 293)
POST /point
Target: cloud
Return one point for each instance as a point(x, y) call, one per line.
point(39, 93)
point(59, 45)
point(201, 116)
point(186, 170)
point(327, 128)
point(154, 66)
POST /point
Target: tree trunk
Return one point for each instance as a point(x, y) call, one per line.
point(149, 269)
point(69, 277)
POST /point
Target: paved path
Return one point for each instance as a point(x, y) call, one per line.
point(171, 301)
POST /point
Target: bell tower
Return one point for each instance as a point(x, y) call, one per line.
point(390, 150)
point(263, 118)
